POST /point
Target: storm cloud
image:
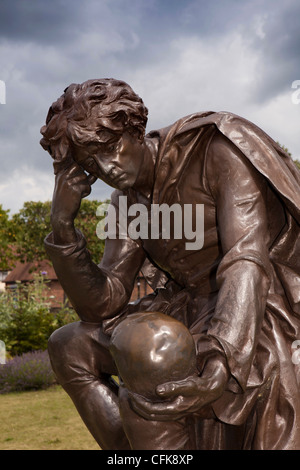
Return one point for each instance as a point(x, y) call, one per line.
point(179, 56)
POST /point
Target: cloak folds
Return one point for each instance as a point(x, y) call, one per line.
point(271, 398)
point(270, 160)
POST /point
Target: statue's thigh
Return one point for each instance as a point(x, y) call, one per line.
point(80, 348)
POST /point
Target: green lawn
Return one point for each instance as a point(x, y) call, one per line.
point(42, 420)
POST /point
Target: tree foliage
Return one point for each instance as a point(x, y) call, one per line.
point(30, 226)
point(7, 239)
point(297, 163)
point(26, 320)
point(22, 236)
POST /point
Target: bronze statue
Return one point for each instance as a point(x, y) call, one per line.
point(237, 293)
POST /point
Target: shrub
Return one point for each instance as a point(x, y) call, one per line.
point(26, 321)
point(30, 371)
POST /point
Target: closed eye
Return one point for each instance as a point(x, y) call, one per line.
point(110, 147)
point(90, 164)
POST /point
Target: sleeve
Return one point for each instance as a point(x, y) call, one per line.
point(97, 292)
point(245, 271)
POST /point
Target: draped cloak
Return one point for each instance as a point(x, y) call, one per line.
point(270, 398)
point(267, 396)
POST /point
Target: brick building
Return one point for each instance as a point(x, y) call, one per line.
point(24, 272)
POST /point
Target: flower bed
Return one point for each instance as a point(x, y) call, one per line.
point(30, 371)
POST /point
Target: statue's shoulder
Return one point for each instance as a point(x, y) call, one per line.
point(184, 123)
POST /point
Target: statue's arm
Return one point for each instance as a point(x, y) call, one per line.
point(97, 292)
point(245, 271)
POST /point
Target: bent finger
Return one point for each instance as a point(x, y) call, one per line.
point(91, 179)
point(171, 389)
point(151, 410)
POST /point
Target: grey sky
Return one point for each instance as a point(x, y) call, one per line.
point(179, 56)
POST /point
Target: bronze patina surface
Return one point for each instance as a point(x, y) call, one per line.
point(238, 295)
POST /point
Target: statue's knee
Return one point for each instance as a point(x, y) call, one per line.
point(60, 339)
point(151, 348)
point(60, 346)
point(80, 349)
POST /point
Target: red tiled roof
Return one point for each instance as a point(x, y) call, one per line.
point(26, 271)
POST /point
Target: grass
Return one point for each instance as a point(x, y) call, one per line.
point(42, 420)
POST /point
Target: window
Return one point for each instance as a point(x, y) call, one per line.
point(3, 275)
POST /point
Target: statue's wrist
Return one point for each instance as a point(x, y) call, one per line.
point(63, 231)
point(217, 368)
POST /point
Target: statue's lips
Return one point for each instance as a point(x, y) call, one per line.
point(115, 177)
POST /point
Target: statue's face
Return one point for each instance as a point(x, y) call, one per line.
point(117, 163)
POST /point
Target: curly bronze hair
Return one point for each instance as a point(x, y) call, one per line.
point(92, 112)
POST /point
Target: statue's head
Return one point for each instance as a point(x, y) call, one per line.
point(93, 112)
point(150, 349)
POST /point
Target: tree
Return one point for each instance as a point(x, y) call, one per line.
point(7, 240)
point(32, 223)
